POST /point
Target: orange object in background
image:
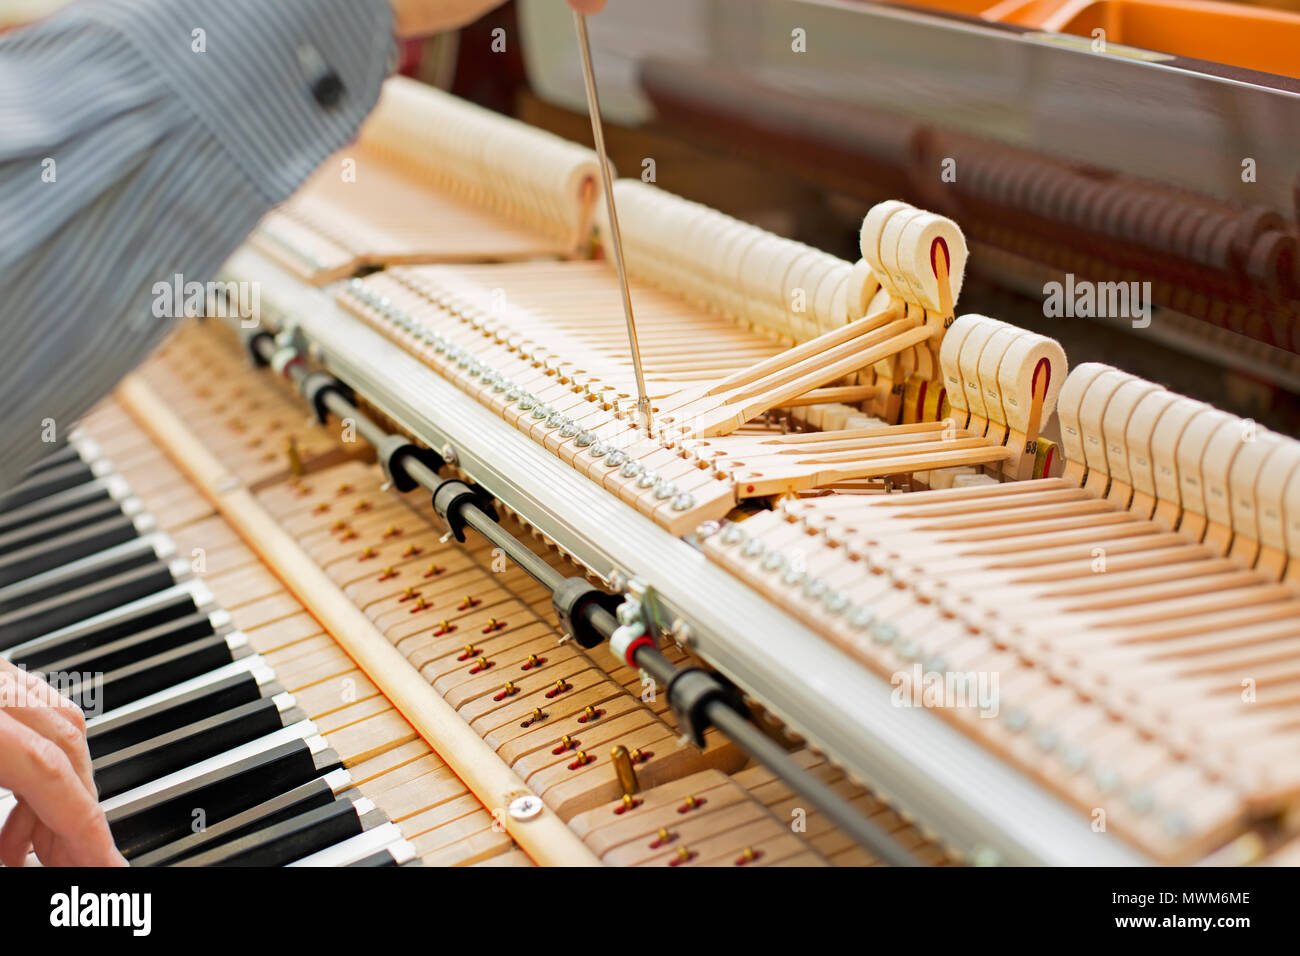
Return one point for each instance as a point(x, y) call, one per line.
point(1251, 37)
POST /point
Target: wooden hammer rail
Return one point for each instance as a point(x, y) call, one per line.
point(433, 178)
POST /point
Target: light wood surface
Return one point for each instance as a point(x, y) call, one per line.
point(545, 837)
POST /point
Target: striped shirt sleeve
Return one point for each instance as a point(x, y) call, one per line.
point(141, 140)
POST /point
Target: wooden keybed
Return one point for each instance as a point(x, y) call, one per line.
point(466, 629)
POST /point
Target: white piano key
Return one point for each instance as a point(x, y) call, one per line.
point(338, 780)
point(158, 543)
point(355, 848)
point(114, 486)
point(87, 448)
point(403, 852)
point(254, 665)
point(196, 589)
point(302, 730)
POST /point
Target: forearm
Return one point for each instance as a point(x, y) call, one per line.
point(143, 139)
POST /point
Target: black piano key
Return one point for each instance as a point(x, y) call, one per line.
point(62, 454)
point(150, 675)
point(81, 603)
point(382, 858)
point(101, 489)
point(151, 759)
point(120, 622)
point(307, 796)
point(114, 655)
point(165, 715)
point(219, 795)
point(47, 482)
point(286, 841)
point(54, 525)
point(123, 557)
point(65, 548)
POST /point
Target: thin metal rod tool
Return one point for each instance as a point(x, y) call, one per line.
point(616, 238)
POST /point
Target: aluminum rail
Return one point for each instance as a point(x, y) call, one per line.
point(977, 803)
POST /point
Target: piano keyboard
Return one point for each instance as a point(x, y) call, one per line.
point(264, 682)
point(200, 755)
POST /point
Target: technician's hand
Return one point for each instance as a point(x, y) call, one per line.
point(417, 18)
point(44, 760)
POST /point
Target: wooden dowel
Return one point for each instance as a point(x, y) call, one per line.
point(848, 394)
point(813, 347)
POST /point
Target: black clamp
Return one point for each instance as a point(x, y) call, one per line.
point(453, 496)
point(690, 692)
point(571, 598)
point(253, 344)
point(394, 451)
point(316, 386)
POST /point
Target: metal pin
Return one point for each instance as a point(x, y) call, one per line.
point(616, 239)
point(624, 770)
point(295, 459)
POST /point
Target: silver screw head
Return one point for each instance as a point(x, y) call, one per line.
point(526, 807)
point(629, 612)
point(862, 618)
point(835, 602)
point(883, 633)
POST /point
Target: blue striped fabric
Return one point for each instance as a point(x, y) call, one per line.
point(128, 157)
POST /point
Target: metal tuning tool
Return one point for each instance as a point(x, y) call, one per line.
point(616, 239)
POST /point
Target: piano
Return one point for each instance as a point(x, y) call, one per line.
point(377, 563)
